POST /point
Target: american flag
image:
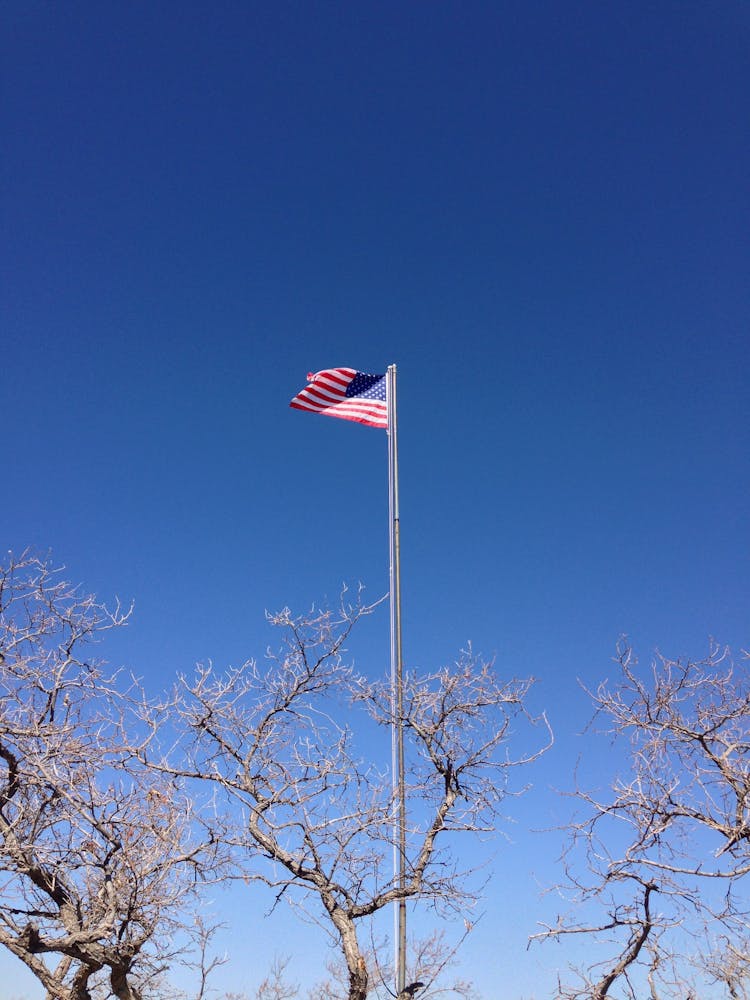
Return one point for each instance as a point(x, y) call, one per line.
point(345, 393)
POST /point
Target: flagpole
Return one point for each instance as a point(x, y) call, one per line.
point(397, 688)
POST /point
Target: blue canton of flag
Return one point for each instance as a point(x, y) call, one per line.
point(367, 386)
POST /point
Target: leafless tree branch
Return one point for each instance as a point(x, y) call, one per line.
point(662, 854)
point(305, 812)
point(97, 857)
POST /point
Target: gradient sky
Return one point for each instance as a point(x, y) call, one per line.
point(538, 211)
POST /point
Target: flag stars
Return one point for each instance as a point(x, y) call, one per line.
point(367, 386)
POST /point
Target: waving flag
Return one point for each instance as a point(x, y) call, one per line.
point(345, 393)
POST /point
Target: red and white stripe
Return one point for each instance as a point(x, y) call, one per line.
point(326, 394)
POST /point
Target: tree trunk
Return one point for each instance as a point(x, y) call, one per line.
point(355, 962)
point(358, 981)
point(121, 988)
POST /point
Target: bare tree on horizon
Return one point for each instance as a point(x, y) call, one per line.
point(656, 865)
point(98, 862)
point(312, 819)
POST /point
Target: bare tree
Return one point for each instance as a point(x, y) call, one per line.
point(655, 865)
point(96, 861)
point(428, 964)
point(428, 972)
point(311, 818)
point(275, 986)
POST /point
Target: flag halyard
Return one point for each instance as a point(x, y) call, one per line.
point(345, 393)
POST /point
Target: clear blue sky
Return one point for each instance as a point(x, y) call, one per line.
point(538, 211)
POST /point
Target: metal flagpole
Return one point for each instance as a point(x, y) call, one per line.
point(397, 688)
